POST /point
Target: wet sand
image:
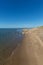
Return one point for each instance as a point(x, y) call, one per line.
point(29, 52)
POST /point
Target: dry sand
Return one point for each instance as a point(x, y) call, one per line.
point(30, 52)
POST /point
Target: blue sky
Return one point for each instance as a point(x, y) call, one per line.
point(21, 13)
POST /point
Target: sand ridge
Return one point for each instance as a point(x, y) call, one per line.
point(30, 52)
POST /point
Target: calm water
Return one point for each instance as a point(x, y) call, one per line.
point(9, 39)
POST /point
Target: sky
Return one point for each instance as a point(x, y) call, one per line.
point(21, 13)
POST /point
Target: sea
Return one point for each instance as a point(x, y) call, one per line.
point(10, 38)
